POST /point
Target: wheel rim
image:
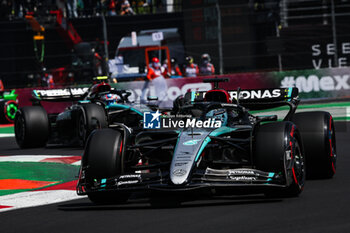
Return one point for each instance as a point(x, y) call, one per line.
point(331, 137)
point(11, 110)
point(298, 168)
point(20, 129)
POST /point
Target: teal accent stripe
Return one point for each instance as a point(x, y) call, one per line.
point(84, 101)
point(178, 139)
point(222, 130)
point(289, 95)
point(215, 133)
point(124, 107)
point(204, 144)
point(103, 183)
point(271, 174)
point(193, 95)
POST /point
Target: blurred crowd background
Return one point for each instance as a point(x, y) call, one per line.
point(11, 9)
point(239, 36)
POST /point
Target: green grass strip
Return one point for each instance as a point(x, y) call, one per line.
point(9, 129)
point(341, 118)
point(305, 106)
point(38, 171)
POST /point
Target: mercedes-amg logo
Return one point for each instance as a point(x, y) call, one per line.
point(179, 172)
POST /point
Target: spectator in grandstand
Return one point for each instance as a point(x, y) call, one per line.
point(174, 72)
point(62, 6)
point(112, 11)
point(190, 68)
point(80, 8)
point(72, 8)
point(1, 86)
point(165, 69)
point(97, 61)
point(50, 81)
point(19, 8)
point(125, 8)
point(139, 6)
point(206, 68)
point(156, 79)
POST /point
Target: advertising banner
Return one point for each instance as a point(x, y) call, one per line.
point(321, 83)
point(313, 46)
point(179, 86)
point(312, 84)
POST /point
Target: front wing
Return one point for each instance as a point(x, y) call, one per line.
point(241, 178)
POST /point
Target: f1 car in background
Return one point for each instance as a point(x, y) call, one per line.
point(94, 107)
point(247, 154)
point(8, 106)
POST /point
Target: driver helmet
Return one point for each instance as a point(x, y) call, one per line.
point(218, 114)
point(155, 63)
point(189, 60)
point(173, 61)
point(110, 98)
point(100, 87)
point(205, 58)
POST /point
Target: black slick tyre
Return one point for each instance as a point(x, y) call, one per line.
point(90, 117)
point(102, 158)
point(278, 149)
point(31, 127)
point(318, 135)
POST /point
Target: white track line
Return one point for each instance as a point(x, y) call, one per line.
point(36, 198)
point(7, 135)
point(347, 112)
point(78, 163)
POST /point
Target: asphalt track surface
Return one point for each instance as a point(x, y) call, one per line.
point(324, 206)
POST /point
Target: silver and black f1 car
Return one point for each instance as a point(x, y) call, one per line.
point(255, 154)
point(92, 108)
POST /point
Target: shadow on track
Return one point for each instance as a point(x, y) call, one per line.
point(146, 203)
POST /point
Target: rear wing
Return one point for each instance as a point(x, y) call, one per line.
point(255, 99)
point(8, 95)
point(59, 95)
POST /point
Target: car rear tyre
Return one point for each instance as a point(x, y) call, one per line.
point(278, 149)
point(318, 136)
point(102, 158)
point(31, 127)
point(90, 117)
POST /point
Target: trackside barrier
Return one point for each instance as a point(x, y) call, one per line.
point(312, 84)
